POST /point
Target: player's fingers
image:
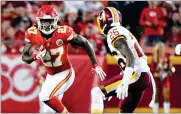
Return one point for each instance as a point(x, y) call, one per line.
point(41, 48)
point(100, 76)
point(120, 94)
point(104, 73)
point(44, 52)
point(123, 95)
point(126, 95)
point(117, 92)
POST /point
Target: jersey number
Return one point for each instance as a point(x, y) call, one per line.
point(57, 62)
point(62, 29)
point(32, 30)
point(114, 33)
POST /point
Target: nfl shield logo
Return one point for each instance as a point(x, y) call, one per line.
point(59, 42)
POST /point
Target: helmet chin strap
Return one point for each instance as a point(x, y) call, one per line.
point(104, 27)
point(47, 32)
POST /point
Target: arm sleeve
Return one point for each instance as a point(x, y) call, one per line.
point(162, 22)
point(27, 36)
point(70, 33)
point(142, 17)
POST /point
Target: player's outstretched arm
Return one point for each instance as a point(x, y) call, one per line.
point(26, 57)
point(122, 46)
point(80, 41)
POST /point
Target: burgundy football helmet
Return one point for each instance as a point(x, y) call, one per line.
point(47, 18)
point(108, 17)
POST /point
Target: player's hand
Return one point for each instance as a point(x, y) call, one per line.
point(147, 23)
point(178, 49)
point(98, 70)
point(38, 54)
point(122, 91)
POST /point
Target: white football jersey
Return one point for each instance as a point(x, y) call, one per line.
point(119, 32)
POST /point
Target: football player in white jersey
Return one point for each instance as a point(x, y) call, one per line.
point(130, 85)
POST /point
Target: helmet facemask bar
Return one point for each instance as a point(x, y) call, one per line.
point(47, 25)
point(100, 22)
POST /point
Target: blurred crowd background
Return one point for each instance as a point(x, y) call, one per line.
point(150, 22)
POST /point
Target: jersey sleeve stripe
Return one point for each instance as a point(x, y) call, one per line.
point(117, 38)
point(71, 36)
point(27, 40)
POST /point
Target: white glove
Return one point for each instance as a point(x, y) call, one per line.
point(122, 91)
point(98, 70)
point(163, 75)
point(38, 54)
point(178, 49)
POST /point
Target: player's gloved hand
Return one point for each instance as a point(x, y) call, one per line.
point(163, 76)
point(38, 54)
point(178, 49)
point(122, 91)
point(98, 70)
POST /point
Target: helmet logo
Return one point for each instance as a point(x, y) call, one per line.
point(59, 42)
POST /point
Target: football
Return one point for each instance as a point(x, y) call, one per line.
point(37, 47)
point(45, 58)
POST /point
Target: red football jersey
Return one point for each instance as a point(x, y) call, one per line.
point(56, 46)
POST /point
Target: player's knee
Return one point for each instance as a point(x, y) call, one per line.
point(96, 91)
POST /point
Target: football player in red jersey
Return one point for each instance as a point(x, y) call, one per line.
point(50, 43)
point(130, 85)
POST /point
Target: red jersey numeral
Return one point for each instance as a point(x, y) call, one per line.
point(57, 61)
point(62, 29)
point(32, 30)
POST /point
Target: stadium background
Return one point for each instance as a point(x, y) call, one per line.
point(21, 83)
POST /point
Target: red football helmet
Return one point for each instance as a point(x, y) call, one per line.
point(47, 18)
point(108, 17)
